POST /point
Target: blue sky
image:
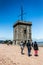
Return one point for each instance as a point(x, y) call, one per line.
point(9, 11)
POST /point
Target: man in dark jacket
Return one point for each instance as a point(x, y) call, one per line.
point(35, 48)
point(29, 48)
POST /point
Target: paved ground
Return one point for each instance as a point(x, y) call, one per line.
point(10, 55)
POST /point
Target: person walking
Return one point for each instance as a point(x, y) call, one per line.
point(35, 48)
point(29, 47)
point(22, 47)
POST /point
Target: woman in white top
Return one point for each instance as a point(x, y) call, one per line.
point(22, 47)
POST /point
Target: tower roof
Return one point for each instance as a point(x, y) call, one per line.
point(22, 23)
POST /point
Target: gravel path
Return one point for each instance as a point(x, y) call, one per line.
point(10, 55)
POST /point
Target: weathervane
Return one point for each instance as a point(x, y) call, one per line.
point(22, 13)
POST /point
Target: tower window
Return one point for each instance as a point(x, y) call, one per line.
point(24, 31)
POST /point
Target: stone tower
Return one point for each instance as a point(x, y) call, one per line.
point(21, 31)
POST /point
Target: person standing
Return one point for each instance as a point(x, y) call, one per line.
point(35, 48)
point(29, 47)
